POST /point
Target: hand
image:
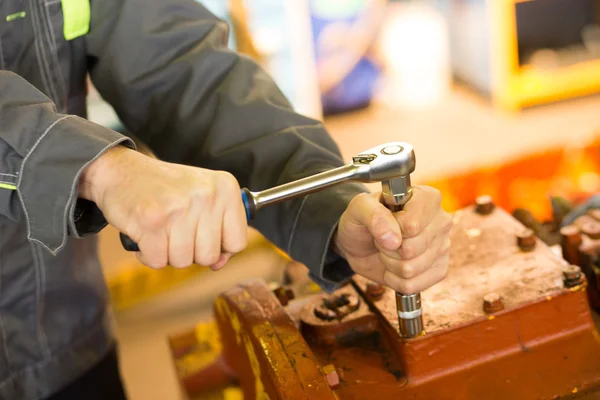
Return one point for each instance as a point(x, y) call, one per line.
point(407, 250)
point(178, 215)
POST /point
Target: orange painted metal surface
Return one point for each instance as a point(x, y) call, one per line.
point(542, 344)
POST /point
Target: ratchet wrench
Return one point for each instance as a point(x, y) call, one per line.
point(391, 164)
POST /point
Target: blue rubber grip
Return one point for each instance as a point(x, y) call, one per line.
point(247, 205)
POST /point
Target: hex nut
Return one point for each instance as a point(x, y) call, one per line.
point(375, 291)
point(484, 205)
point(572, 276)
point(492, 303)
point(333, 379)
point(526, 240)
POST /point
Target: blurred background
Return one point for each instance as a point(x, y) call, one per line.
point(498, 97)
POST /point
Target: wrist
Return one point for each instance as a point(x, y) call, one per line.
point(99, 173)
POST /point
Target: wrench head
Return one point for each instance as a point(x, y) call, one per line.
point(385, 162)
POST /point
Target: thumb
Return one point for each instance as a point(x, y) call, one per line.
point(367, 210)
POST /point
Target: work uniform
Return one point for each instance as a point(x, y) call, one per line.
point(164, 66)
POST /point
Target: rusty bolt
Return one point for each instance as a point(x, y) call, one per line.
point(375, 290)
point(284, 295)
point(526, 240)
point(333, 379)
point(484, 205)
point(492, 303)
point(570, 244)
point(572, 276)
point(591, 229)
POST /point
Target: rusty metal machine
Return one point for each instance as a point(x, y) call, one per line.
point(511, 321)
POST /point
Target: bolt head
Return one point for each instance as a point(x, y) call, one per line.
point(484, 205)
point(492, 303)
point(375, 291)
point(572, 276)
point(526, 240)
point(333, 379)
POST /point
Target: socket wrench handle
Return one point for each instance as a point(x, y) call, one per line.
point(381, 163)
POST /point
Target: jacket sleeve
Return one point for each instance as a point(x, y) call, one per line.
point(165, 68)
point(42, 154)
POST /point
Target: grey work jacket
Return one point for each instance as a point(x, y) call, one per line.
point(164, 66)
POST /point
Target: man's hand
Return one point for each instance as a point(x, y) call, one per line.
point(407, 250)
point(178, 215)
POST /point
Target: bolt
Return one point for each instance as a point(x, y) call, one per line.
point(284, 295)
point(570, 242)
point(591, 229)
point(526, 240)
point(492, 303)
point(333, 379)
point(572, 276)
point(375, 291)
point(484, 205)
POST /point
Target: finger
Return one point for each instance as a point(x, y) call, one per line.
point(181, 242)
point(208, 238)
point(153, 250)
point(224, 259)
point(416, 246)
point(419, 283)
point(368, 211)
point(419, 265)
point(420, 211)
point(235, 226)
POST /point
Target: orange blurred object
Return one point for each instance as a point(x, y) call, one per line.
point(573, 173)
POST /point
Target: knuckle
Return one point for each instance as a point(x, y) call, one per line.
point(412, 227)
point(208, 258)
point(180, 264)
point(156, 263)
point(153, 216)
point(203, 193)
point(436, 197)
point(359, 198)
point(447, 223)
point(227, 181)
point(408, 251)
point(406, 287)
point(445, 249)
point(407, 271)
point(238, 246)
point(442, 274)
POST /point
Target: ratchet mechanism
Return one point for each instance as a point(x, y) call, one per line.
point(391, 164)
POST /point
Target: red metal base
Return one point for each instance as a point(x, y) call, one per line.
point(542, 345)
